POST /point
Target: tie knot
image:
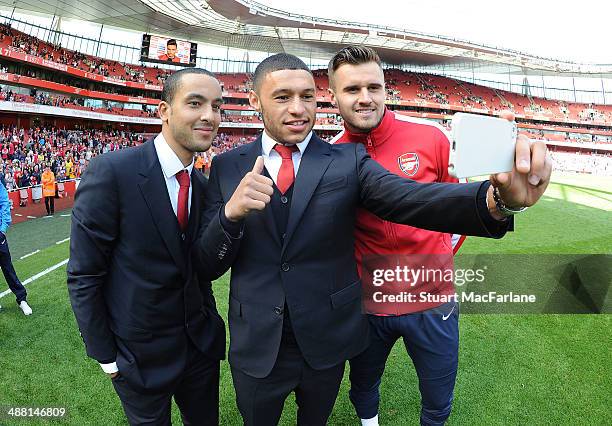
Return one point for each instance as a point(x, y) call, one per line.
point(285, 151)
point(183, 178)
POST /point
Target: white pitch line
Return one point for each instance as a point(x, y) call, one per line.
point(37, 276)
point(18, 214)
point(63, 241)
point(31, 217)
point(65, 215)
point(29, 254)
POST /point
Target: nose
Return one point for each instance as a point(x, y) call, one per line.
point(207, 114)
point(364, 96)
point(296, 107)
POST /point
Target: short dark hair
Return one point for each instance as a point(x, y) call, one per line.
point(173, 82)
point(352, 55)
point(171, 42)
point(280, 61)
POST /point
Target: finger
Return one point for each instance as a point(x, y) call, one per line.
point(538, 163)
point(255, 205)
point(500, 180)
point(258, 196)
point(259, 165)
point(522, 153)
point(262, 187)
point(507, 114)
point(264, 180)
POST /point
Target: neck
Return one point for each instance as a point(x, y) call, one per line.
point(356, 131)
point(181, 152)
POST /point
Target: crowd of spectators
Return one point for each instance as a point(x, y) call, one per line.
point(428, 88)
point(549, 136)
point(591, 163)
point(61, 101)
point(25, 152)
point(429, 91)
point(112, 69)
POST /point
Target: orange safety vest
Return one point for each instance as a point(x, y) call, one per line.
point(48, 184)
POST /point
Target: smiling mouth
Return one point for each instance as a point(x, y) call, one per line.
point(296, 126)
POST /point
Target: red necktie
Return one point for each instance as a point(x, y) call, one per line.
point(285, 174)
point(182, 208)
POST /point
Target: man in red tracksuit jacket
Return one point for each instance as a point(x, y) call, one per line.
point(418, 150)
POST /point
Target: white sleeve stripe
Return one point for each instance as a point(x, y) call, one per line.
point(425, 122)
point(336, 138)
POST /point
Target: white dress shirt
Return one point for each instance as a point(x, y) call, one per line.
point(171, 165)
point(273, 160)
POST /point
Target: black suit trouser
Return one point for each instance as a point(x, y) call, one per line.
point(9, 271)
point(196, 394)
point(261, 401)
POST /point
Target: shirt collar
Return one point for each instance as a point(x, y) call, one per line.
point(169, 161)
point(267, 143)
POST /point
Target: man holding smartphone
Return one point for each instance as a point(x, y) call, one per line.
point(418, 150)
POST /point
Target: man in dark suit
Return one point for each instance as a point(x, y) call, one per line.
point(145, 309)
point(295, 294)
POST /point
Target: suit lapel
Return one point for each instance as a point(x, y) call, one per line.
point(153, 188)
point(314, 163)
point(246, 164)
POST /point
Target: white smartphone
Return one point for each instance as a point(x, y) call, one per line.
point(481, 145)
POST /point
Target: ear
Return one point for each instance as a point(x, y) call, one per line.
point(254, 101)
point(163, 110)
point(333, 96)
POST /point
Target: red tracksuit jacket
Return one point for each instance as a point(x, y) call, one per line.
point(415, 149)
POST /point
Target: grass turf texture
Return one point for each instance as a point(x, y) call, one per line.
point(513, 369)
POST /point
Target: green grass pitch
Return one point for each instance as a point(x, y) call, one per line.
point(513, 369)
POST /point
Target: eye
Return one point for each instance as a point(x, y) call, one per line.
point(282, 98)
point(194, 103)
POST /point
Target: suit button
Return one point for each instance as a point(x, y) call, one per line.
point(278, 310)
point(284, 199)
point(183, 237)
point(285, 267)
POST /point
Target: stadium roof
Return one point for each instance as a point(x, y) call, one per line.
point(249, 25)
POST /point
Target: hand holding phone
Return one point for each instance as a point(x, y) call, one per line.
point(519, 168)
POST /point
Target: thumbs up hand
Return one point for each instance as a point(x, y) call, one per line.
point(253, 193)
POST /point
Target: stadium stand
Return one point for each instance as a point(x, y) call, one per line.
point(418, 89)
point(69, 147)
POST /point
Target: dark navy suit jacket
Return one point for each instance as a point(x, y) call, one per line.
point(312, 270)
point(137, 294)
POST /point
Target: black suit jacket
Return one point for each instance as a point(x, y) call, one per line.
point(136, 293)
point(313, 271)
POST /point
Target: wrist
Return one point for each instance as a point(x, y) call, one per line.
point(493, 211)
point(227, 210)
point(498, 208)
